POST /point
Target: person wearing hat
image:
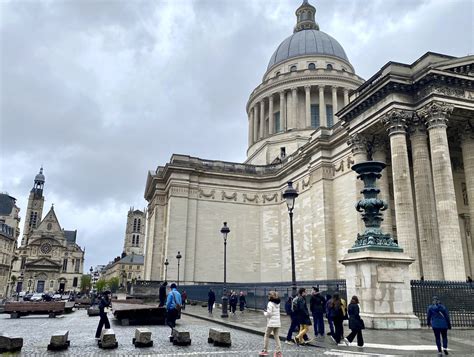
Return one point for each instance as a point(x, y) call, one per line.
point(438, 319)
point(173, 306)
point(103, 303)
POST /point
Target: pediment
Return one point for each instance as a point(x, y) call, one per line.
point(461, 66)
point(43, 262)
point(50, 223)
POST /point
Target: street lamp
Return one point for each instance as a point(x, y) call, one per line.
point(29, 284)
point(179, 258)
point(166, 268)
point(225, 231)
point(290, 195)
point(20, 279)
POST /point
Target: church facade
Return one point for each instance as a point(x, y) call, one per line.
point(49, 258)
point(309, 121)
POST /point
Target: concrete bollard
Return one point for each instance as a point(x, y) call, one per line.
point(180, 338)
point(107, 339)
point(219, 337)
point(10, 344)
point(93, 311)
point(142, 338)
point(59, 341)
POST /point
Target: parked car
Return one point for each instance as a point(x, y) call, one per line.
point(37, 297)
point(57, 297)
point(27, 297)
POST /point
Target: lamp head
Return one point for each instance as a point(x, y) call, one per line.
point(178, 256)
point(225, 230)
point(290, 195)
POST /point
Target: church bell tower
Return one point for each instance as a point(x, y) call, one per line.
point(34, 210)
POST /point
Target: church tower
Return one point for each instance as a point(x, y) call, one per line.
point(135, 232)
point(34, 209)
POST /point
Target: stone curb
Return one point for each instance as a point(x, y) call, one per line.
point(241, 327)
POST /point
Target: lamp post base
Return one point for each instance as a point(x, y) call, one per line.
point(225, 301)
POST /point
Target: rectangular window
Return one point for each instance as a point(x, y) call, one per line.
point(77, 266)
point(276, 121)
point(64, 265)
point(51, 284)
point(315, 116)
point(129, 275)
point(23, 262)
point(74, 283)
point(329, 115)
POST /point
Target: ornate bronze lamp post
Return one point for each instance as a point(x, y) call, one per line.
point(290, 195)
point(225, 231)
point(179, 258)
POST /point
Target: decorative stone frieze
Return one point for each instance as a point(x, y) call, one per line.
point(248, 198)
point(232, 197)
point(270, 198)
point(438, 89)
point(211, 194)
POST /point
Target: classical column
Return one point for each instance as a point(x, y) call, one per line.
point(467, 147)
point(395, 121)
point(294, 117)
point(435, 115)
point(262, 119)
point(250, 124)
point(334, 104)
point(307, 91)
point(255, 123)
point(380, 150)
point(430, 251)
point(271, 116)
point(346, 96)
point(282, 110)
point(322, 108)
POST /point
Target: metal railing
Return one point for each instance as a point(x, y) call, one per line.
point(458, 297)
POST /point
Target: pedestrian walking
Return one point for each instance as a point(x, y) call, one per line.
point(330, 321)
point(294, 326)
point(242, 302)
point(173, 306)
point(272, 313)
point(438, 319)
point(337, 313)
point(184, 297)
point(211, 299)
point(317, 305)
point(162, 293)
point(233, 302)
point(302, 316)
point(104, 321)
point(356, 324)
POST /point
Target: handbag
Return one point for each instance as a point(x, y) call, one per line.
point(362, 324)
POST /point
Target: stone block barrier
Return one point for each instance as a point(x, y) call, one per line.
point(180, 337)
point(107, 339)
point(10, 344)
point(219, 337)
point(59, 341)
point(142, 338)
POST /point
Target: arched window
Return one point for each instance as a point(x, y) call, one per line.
point(277, 74)
point(135, 225)
point(137, 241)
point(293, 68)
point(329, 66)
point(133, 239)
point(311, 66)
point(139, 224)
point(343, 69)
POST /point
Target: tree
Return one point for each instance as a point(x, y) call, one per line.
point(100, 285)
point(113, 284)
point(85, 282)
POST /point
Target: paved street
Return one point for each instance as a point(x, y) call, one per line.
point(36, 331)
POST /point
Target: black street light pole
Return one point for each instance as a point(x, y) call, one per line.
point(225, 230)
point(20, 278)
point(166, 268)
point(179, 258)
point(290, 195)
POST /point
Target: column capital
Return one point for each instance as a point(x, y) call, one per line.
point(334, 87)
point(321, 87)
point(416, 127)
point(435, 114)
point(282, 93)
point(294, 89)
point(270, 97)
point(395, 121)
point(307, 88)
point(358, 143)
point(465, 131)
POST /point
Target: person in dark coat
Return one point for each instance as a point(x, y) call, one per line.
point(437, 317)
point(302, 315)
point(211, 299)
point(337, 313)
point(317, 305)
point(184, 297)
point(356, 324)
point(233, 302)
point(104, 321)
point(162, 293)
point(242, 302)
point(330, 321)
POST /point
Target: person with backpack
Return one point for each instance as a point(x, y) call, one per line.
point(337, 313)
point(272, 313)
point(438, 319)
point(330, 321)
point(317, 305)
point(302, 315)
point(173, 306)
point(356, 324)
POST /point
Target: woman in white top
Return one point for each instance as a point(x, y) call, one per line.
point(272, 313)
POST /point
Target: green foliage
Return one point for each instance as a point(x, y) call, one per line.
point(85, 282)
point(101, 285)
point(113, 284)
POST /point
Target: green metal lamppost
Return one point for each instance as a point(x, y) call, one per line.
point(225, 231)
point(290, 195)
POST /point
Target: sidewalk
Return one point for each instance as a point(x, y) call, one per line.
point(377, 342)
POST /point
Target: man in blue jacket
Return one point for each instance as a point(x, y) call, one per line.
point(173, 306)
point(438, 318)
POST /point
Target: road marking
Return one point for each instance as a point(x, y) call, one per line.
point(461, 340)
point(345, 353)
point(402, 347)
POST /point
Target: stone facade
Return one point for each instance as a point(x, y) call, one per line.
point(126, 269)
point(49, 259)
point(135, 232)
point(189, 198)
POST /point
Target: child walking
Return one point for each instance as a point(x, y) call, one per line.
point(272, 313)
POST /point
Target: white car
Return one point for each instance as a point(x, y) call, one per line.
point(57, 297)
point(37, 297)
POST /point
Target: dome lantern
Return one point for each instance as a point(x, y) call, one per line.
point(305, 15)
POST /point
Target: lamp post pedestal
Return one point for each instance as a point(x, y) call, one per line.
point(225, 304)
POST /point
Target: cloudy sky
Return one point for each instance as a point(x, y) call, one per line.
point(100, 92)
